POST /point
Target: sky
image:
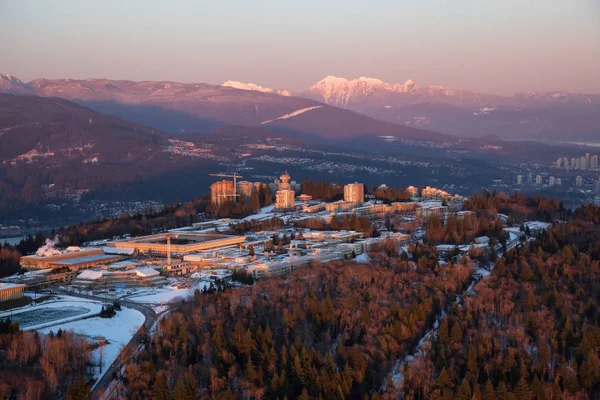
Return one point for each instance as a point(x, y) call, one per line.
point(490, 46)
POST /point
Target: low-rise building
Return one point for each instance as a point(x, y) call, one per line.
point(339, 206)
point(94, 279)
point(11, 291)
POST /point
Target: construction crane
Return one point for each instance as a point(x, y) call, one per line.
point(234, 176)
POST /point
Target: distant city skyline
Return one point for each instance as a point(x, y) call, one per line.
point(499, 47)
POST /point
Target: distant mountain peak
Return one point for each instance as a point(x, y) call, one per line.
point(12, 84)
point(341, 91)
point(255, 87)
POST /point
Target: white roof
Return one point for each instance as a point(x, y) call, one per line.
point(6, 285)
point(146, 272)
point(90, 275)
point(116, 250)
point(72, 249)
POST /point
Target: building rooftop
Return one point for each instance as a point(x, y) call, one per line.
point(6, 285)
point(85, 259)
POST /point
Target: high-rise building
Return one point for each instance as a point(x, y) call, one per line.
point(566, 163)
point(559, 162)
point(245, 188)
point(551, 181)
point(583, 163)
point(538, 180)
point(558, 182)
point(594, 162)
point(530, 177)
point(284, 199)
point(221, 192)
point(519, 179)
point(577, 163)
point(579, 181)
point(355, 193)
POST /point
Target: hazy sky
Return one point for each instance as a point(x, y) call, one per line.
point(495, 46)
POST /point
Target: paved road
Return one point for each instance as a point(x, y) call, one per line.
point(106, 381)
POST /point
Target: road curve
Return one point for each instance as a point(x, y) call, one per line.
point(100, 387)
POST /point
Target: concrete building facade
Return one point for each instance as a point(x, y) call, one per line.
point(284, 199)
point(221, 192)
point(355, 193)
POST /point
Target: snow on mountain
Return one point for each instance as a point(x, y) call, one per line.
point(340, 91)
point(255, 87)
point(292, 114)
point(11, 84)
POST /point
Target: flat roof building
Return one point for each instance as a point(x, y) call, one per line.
point(11, 291)
point(82, 258)
point(181, 243)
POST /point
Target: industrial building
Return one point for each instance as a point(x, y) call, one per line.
point(355, 193)
point(73, 260)
point(11, 291)
point(180, 243)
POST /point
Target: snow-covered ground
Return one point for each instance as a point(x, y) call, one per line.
point(263, 213)
point(49, 313)
point(118, 331)
point(166, 294)
point(538, 225)
point(362, 258)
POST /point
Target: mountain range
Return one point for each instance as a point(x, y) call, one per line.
point(536, 115)
point(192, 108)
point(181, 108)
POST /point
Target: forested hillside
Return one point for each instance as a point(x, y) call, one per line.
point(332, 331)
point(531, 331)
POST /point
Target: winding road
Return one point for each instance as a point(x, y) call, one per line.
point(107, 386)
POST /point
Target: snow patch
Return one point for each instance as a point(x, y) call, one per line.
point(257, 88)
point(292, 114)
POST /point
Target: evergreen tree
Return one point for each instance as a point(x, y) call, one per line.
point(160, 391)
point(464, 391)
point(79, 390)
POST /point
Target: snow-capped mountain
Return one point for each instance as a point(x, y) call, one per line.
point(461, 112)
point(340, 91)
point(347, 93)
point(10, 84)
point(255, 87)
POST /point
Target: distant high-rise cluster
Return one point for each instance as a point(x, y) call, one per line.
point(538, 180)
point(583, 163)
